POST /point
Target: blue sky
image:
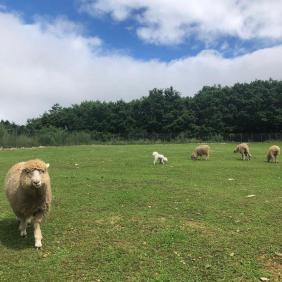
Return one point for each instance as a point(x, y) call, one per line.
point(115, 34)
point(69, 51)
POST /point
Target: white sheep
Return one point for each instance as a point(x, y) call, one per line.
point(200, 151)
point(244, 151)
point(157, 157)
point(28, 189)
point(273, 152)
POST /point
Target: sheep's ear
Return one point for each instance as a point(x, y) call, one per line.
point(47, 165)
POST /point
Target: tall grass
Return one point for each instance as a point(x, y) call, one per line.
point(61, 137)
point(117, 217)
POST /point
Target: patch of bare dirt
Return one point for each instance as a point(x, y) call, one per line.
point(273, 266)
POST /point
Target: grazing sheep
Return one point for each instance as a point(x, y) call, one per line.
point(244, 151)
point(28, 189)
point(157, 156)
point(273, 152)
point(200, 151)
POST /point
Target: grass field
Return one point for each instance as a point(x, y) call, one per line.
point(117, 217)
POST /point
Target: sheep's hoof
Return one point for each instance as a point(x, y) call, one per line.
point(38, 245)
point(24, 236)
point(37, 248)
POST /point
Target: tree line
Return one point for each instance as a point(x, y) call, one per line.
point(254, 107)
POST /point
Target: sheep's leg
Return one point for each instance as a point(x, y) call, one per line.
point(38, 219)
point(19, 221)
point(207, 157)
point(155, 160)
point(23, 226)
point(37, 235)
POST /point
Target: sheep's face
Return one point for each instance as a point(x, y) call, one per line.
point(35, 173)
point(194, 156)
point(35, 177)
point(236, 150)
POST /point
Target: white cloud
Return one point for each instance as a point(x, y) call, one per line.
point(169, 22)
point(54, 62)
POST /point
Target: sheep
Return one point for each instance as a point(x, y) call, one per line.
point(273, 152)
point(244, 151)
point(157, 156)
point(200, 151)
point(28, 189)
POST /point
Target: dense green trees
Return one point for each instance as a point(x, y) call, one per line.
point(243, 108)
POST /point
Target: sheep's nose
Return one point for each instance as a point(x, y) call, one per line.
point(36, 183)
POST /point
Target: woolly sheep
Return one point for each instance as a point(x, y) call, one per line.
point(200, 151)
point(28, 189)
point(157, 157)
point(273, 152)
point(244, 151)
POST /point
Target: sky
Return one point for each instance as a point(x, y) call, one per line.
point(70, 51)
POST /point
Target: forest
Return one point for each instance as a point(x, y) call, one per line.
point(254, 107)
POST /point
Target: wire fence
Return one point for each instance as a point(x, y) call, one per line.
point(67, 138)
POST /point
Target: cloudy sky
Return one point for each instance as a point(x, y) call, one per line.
point(69, 51)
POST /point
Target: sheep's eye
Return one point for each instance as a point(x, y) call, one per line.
point(42, 171)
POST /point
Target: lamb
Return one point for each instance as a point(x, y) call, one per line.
point(200, 151)
point(157, 157)
point(273, 152)
point(28, 189)
point(244, 151)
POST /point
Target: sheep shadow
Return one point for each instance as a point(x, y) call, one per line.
point(10, 235)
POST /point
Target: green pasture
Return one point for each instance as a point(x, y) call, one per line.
point(117, 217)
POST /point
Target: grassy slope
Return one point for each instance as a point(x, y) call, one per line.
point(117, 217)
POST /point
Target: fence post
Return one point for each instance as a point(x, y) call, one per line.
point(16, 138)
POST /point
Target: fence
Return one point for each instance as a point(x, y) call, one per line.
point(66, 138)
